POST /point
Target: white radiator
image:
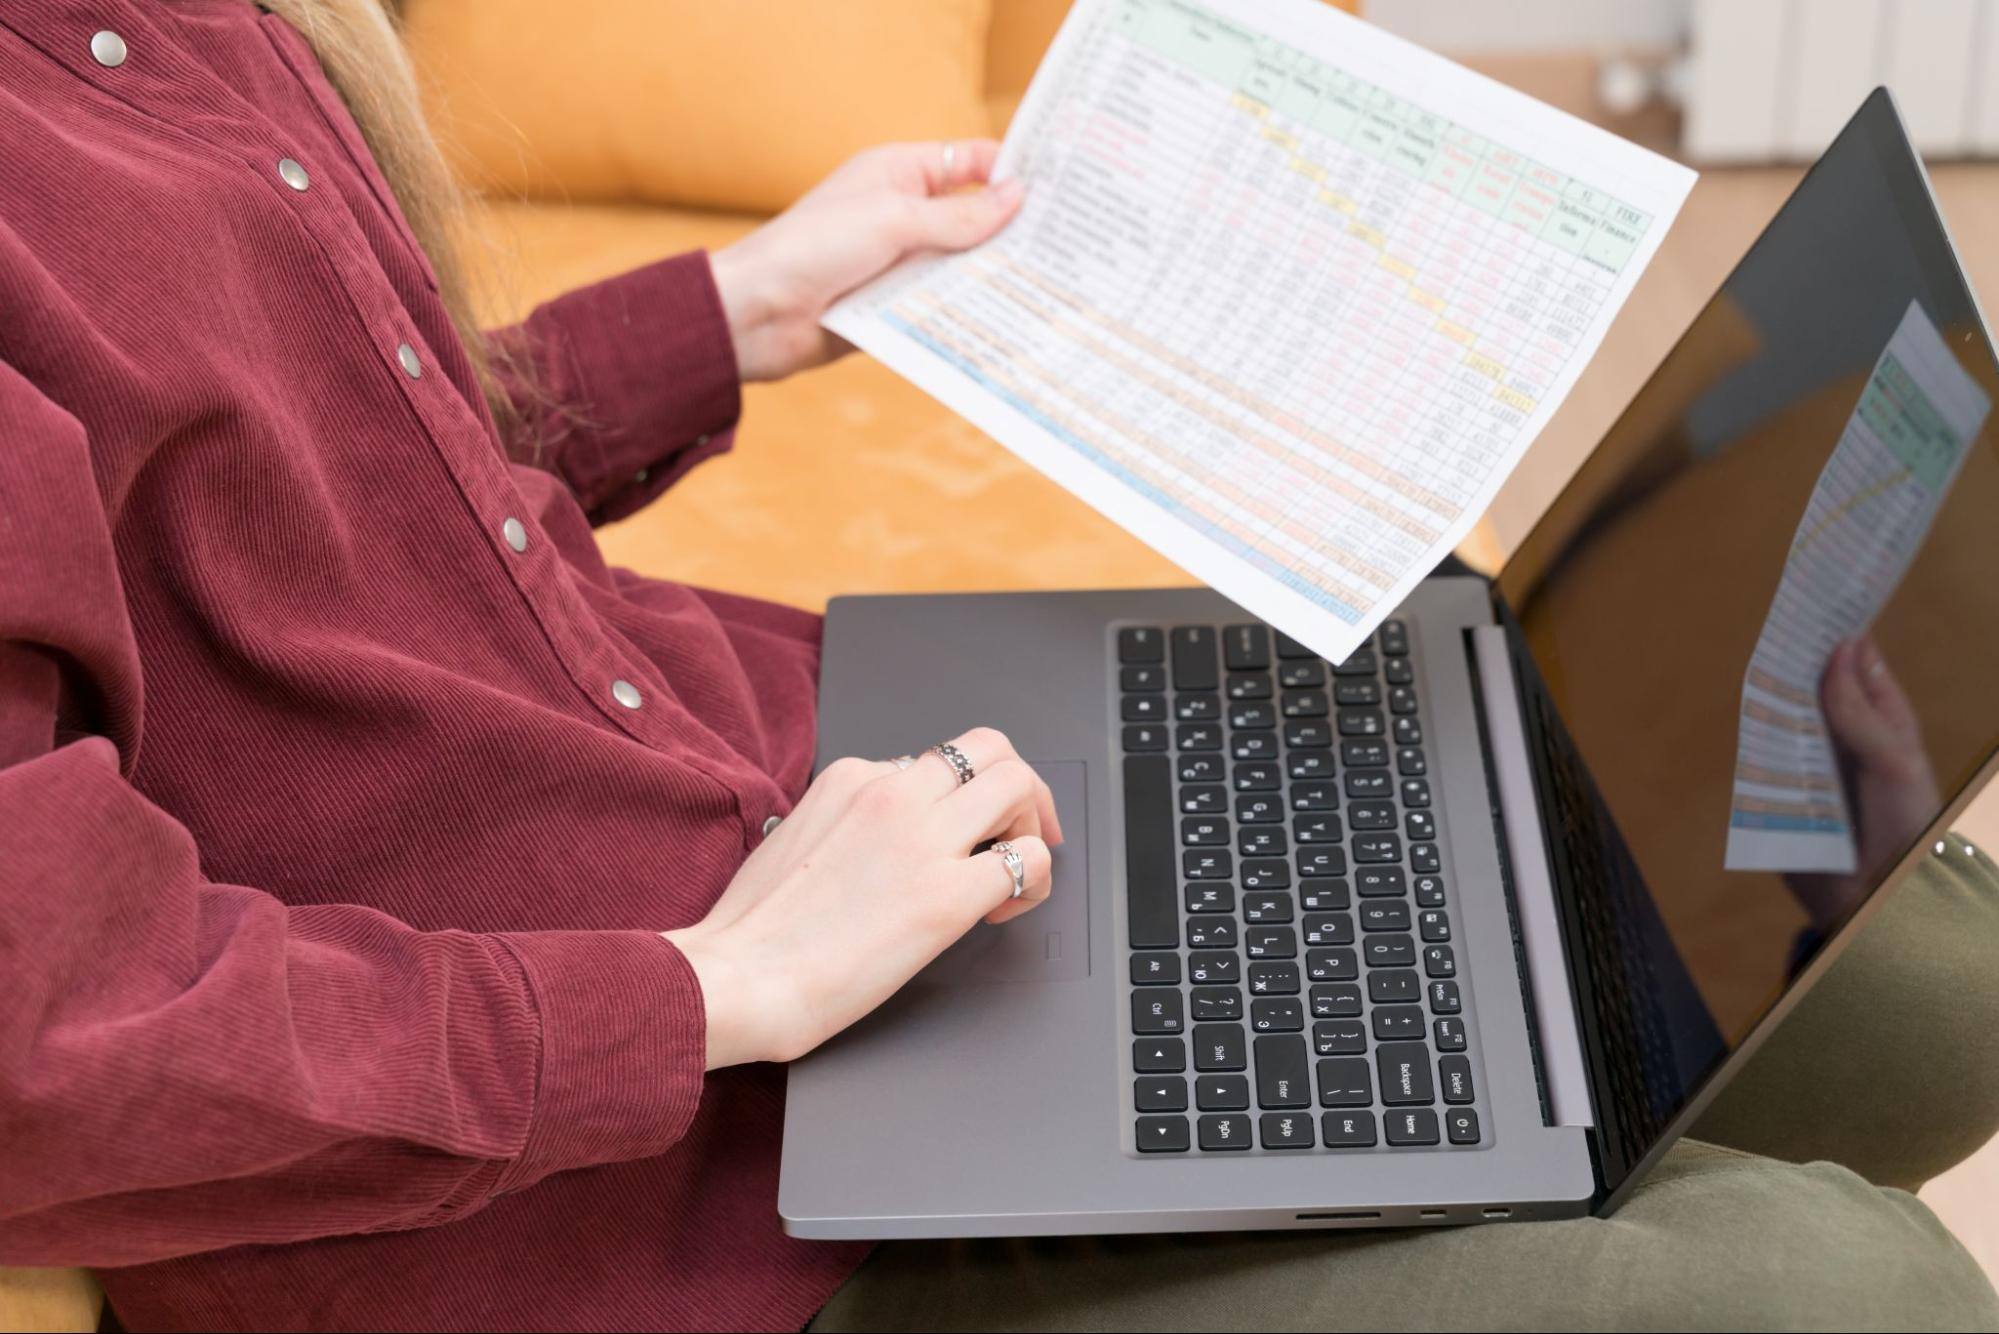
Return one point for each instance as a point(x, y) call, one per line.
point(1773, 80)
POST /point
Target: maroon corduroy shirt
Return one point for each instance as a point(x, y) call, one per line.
point(331, 863)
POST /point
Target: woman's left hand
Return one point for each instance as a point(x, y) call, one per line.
point(876, 208)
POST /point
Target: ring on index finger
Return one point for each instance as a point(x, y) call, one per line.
point(954, 757)
point(1015, 866)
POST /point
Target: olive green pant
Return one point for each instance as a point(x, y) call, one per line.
point(1790, 1210)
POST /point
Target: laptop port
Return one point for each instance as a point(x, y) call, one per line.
point(1357, 1213)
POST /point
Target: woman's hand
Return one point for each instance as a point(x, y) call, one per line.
point(876, 208)
point(868, 879)
point(1887, 774)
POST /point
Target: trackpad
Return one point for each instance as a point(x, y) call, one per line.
point(1051, 943)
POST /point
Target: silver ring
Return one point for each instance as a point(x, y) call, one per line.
point(1015, 867)
point(954, 757)
point(950, 159)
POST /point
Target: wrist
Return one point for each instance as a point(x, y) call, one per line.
point(749, 306)
point(726, 998)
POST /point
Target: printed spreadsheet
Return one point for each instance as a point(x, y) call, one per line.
point(1288, 298)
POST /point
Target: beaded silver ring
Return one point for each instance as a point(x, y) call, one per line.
point(954, 757)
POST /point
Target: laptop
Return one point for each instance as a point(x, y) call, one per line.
point(1446, 932)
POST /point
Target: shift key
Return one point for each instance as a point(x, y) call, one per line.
point(1283, 1075)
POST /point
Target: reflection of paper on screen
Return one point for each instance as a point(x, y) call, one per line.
point(1288, 298)
point(1867, 518)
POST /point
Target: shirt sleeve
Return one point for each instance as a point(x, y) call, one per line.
point(626, 384)
point(187, 1065)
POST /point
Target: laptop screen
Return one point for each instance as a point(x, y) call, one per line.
point(1765, 621)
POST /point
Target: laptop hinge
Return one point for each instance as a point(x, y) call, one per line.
point(1563, 1069)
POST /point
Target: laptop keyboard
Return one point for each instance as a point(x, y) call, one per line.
point(1293, 969)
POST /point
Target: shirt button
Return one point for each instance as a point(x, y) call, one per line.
point(626, 694)
point(702, 439)
point(641, 475)
point(107, 48)
point(516, 534)
point(412, 366)
point(293, 174)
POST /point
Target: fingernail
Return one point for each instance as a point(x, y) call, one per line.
point(1008, 191)
point(1871, 660)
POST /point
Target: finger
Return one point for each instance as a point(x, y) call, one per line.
point(981, 747)
point(830, 795)
point(1002, 802)
point(953, 163)
point(1856, 725)
point(989, 885)
point(1884, 692)
point(960, 221)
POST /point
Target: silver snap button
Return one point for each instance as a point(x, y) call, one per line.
point(107, 48)
point(626, 694)
point(516, 534)
point(641, 475)
point(412, 366)
point(292, 174)
point(770, 825)
point(703, 438)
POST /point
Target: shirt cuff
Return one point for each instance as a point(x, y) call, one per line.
point(624, 1048)
point(657, 389)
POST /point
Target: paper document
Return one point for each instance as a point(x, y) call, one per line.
point(1288, 297)
point(1867, 518)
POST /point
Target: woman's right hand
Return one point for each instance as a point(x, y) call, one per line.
point(867, 880)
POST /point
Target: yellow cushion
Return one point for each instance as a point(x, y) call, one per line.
point(737, 104)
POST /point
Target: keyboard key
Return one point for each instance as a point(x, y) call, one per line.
point(1339, 1037)
point(1409, 762)
point(1314, 796)
point(1270, 942)
point(1197, 708)
point(1371, 816)
point(1404, 1068)
point(1282, 1130)
point(1461, 1124)
point(1335, 1000)
point(1408, 731)
point(1141, 645)
point(1143, 708)
point(1331, 965)
point(1411, 1127)
point(1302, 674)
point(1377, 848)
point(1394, 986)
point(1150, 910)
point(1141, 738)
point(1152, 1056)
point(1379, 881)
point(1277, 1014)
point(1198, 865)
point(1396, 1023)
point(1199, 768)
point(1401, 700)
point(1222, 1093)
point(1429, 891)
point(1433, 926)
point(1317, 828)
point(1161, 1093)
point(1416, 793)
point(1222, 1047)
point(1360, 722)
point(1204, 799)
point(1215, 1004)
point(1420, 826)
point(1261, 776)
point(1202, 832)
point(1454, 1078)
point(1368, 784)
point(1266, 875)
point(1259, 808)
point(1326, 929)
point(1149, 970)
point(1248, 685)
point(1394, 638)
point(1162, 1134)
point(1309, 765)
point(1321, 862)
point(1450, 1034)
point(1252, 715)
point(1347, 1130)
point(1363, 754)
point(1194, 658)
point(1273, 979)
point(1357, 690)
point(1210, 933)
point(1197, 736)
point(1221, 1134)
point(1141, 678)
point(1444, 998)
point(1306, 733)
point(1389, 951)
point(1282, 1078)
point(1326, 893)
point(1214, 968)
point(1438, 961)
point(1384, 915)
point(1399, 672)
point(1362, 663)
point(1266, 905)
point(1210, 896)
point(1344, 1081)
point(1265, 841)
point(1423, 858)
point(1304, 704)
point(1246, 647)
point(1156, 1010)
point(1287, 647)
point(1253, 745)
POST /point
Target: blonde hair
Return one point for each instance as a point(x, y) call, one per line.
point(362, 53)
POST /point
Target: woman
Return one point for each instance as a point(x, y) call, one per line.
point(372, 857)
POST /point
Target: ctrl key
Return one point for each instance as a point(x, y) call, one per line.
point(1162, 1134)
